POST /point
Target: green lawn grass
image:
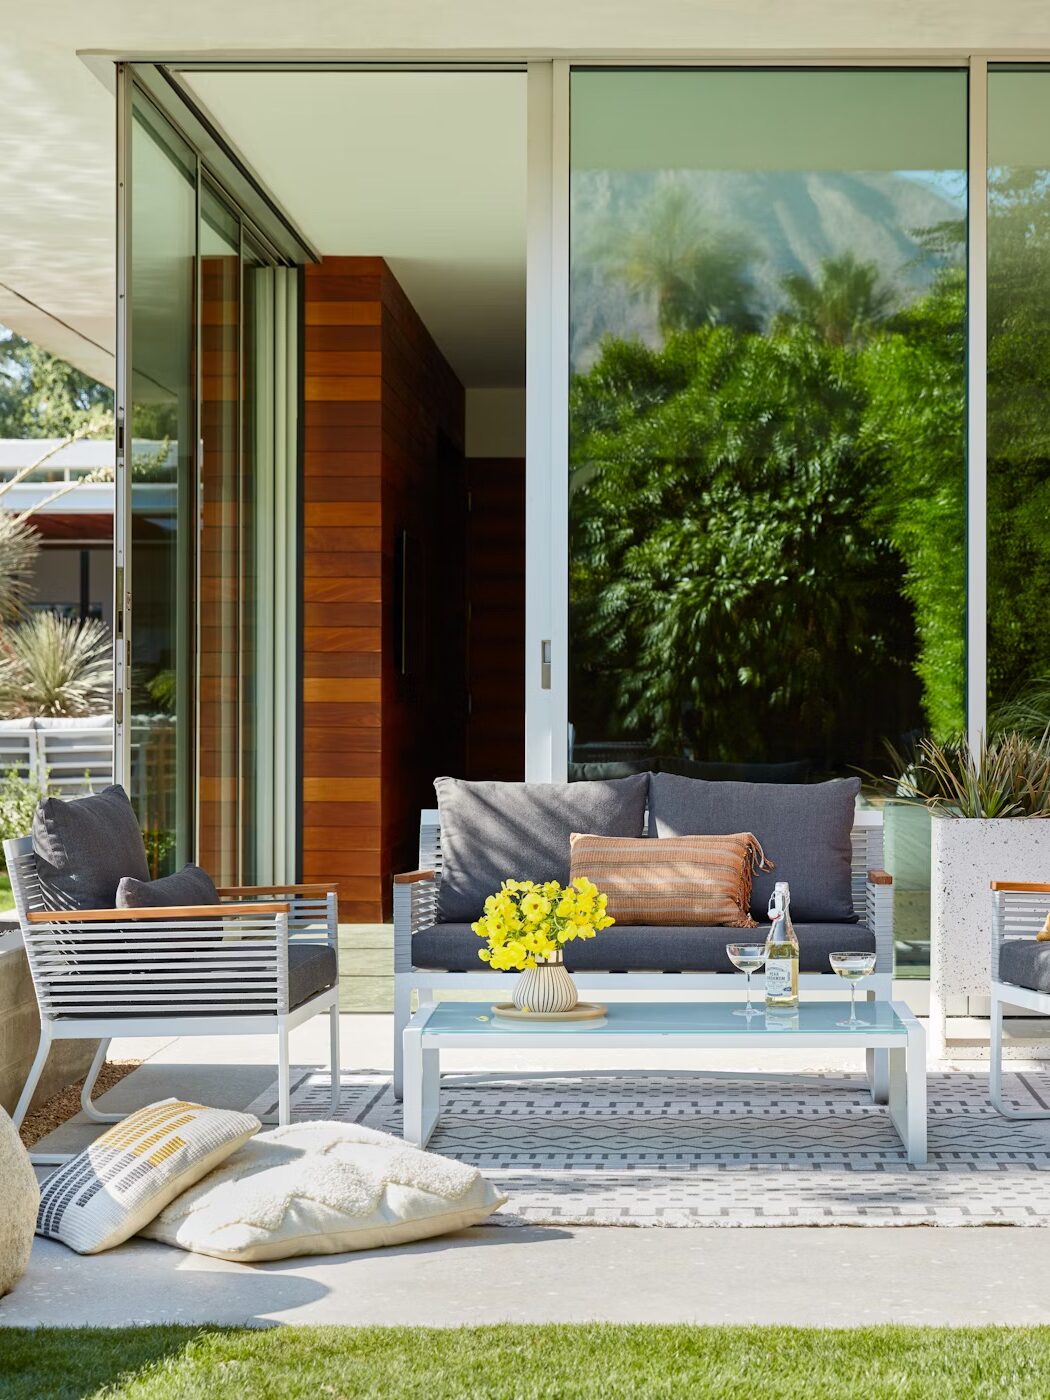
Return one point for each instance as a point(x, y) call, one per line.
point(525, 1363)
point(7, 899)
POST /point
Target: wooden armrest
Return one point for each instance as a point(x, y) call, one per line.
point(174, 911)
point(879, 877)
point(1019, 887)
point(238, 891)
point(413, 877)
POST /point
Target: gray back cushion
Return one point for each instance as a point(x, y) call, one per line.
point(492, 832)
point(85, 847)
point(804, 829)
point(190, 885)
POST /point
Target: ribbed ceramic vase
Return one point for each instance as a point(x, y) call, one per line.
point(546, 987)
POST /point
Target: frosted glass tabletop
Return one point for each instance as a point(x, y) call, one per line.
point(670, 1019)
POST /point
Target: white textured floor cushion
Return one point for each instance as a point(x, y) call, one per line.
point(323, 1188)
point(107, 1193)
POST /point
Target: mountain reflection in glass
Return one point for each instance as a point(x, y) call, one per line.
point(767, 419)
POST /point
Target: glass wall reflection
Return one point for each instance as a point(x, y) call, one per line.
point(767, 427)
point(163, 320)
point(1018, 393)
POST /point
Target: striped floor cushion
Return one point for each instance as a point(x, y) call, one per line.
point(676, 880)
point(129, 1174)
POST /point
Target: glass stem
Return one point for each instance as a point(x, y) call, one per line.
point(853, 1003)
point(747, 1006)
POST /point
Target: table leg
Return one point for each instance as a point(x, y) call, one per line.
point(907, 1098)
point(877, 1068)
point(422, 1098)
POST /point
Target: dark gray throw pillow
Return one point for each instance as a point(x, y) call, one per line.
point(804, 829)
point(190, 885)
point(85, 846)
point(492, 832)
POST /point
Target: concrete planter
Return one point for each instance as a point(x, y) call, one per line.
point(967, 854)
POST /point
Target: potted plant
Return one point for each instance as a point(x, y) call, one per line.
point(527, 925)
point(989, 811)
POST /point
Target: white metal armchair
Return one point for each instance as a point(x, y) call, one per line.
point(261, 963)
point(1020, 971)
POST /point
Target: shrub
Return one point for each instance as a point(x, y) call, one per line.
point(18, 800)
point(51, 666)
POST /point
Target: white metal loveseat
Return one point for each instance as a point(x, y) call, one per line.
point(248, 966)
point(415, 909)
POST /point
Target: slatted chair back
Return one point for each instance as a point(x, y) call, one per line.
point(137, 964)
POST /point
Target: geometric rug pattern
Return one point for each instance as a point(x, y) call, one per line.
point(687, 1149)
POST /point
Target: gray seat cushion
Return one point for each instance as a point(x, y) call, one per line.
point(492, 832)
point(312, 968)
point(454, 948)
point(190, 885)
point(804, 829)
point(1024, 962)
point(85, 847)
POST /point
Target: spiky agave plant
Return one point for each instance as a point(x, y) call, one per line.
point(1008, 776)
point(53, 666)
point(19, 547)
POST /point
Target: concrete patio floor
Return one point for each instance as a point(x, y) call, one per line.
point(829, 1276)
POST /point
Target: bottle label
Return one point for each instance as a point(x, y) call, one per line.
point(778, 977)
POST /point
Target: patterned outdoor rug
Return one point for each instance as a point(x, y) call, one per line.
point(686, 1149)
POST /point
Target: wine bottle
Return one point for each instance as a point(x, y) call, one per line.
point(781, 951)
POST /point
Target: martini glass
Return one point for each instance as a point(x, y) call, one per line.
point(748, 957)
point(853, 968)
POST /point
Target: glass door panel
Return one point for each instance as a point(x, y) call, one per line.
point(767, 506)
point(1018, 392)
point(162, 324)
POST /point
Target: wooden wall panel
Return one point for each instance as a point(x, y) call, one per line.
point(383, 451)
point(218, 792)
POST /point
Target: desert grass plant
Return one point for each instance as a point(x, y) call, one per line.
point(51, 666)
point(19, 547)
point(1008, 776)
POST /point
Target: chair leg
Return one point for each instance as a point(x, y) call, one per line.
point(89, 1083)
point(333, 1019)
point(402, 1016)
point(32, 1079)
point(284, 1076)
point(995, 1071)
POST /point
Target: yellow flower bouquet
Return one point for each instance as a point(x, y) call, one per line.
point(527, 924)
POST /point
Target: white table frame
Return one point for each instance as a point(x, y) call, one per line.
point(906, 1052)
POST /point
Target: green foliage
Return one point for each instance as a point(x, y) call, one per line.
point(18, 802)
point(697, 274)
point(51, 665)
point(1018, 433)
point(19, 548)
point(1008, 776)
point(844, 305)
point(914, 445)
point(728, 590)
point(42, 396)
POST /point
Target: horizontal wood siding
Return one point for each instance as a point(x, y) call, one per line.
point(377, 393)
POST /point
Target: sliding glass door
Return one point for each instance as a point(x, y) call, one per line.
point(209, 517)
point(162, 458)
point(767, 514)
point(1018, 394)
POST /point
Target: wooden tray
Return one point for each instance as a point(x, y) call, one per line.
point(582, 1011)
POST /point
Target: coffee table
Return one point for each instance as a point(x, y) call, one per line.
point(665, 1025)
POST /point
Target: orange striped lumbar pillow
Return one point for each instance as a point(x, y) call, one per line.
point(698, 880)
